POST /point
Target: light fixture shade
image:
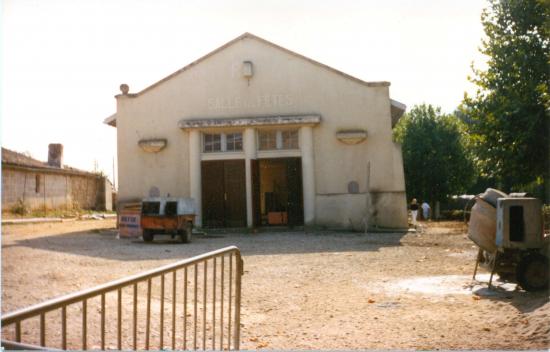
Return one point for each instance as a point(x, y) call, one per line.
point(351, 136)
point(153, 145)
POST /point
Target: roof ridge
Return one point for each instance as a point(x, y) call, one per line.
point(19, 155)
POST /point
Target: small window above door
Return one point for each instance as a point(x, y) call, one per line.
point(222, 142)
point(278, 140)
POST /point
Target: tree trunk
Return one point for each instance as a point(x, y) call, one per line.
point(547, 173)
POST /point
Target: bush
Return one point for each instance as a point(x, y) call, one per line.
point(20, 208)
point(452, 215)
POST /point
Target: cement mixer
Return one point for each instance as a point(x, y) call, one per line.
point(509, 232)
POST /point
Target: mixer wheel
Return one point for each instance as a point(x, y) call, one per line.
point(532, 272)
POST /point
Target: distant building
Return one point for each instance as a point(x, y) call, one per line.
point(51, 185)
point(260, 135)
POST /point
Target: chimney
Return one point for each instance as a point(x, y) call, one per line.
point(55, 155)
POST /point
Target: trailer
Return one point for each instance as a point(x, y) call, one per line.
point(172, 216)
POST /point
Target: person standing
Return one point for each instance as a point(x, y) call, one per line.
point(414, 211)
point(425, 210)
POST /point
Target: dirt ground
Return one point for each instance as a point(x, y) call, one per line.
point(325, 290)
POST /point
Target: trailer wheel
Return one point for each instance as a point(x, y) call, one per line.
point(148, 235)
point(532, 272)
point(186, 233)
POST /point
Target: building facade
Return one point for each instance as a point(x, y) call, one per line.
point(260, 135)
point(33, 184)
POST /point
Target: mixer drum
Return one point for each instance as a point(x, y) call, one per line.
point(483, 225)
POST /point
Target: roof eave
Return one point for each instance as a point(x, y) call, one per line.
point(111, 120)
point(397, 111)
point(47, 169)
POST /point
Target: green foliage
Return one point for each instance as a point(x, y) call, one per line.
point(452, 215)
point(435, 153)
point(508, 116)
point(20, 207)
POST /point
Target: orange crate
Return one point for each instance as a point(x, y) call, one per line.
point(277, 218)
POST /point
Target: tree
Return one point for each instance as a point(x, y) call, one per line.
point(508, 116)
point(435, 153)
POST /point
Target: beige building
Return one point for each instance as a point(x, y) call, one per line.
point(260, 135)
point(31, 184)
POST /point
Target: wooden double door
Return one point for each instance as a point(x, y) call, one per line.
point(223, 193)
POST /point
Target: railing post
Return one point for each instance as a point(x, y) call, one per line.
point(84, 324)
point(64, 328)
point(222, 270)
point(134, 317)
point(161, 333)
point(119, 319)
point(230, 291)
point(214, 304)
point(195, 306)
point(148, 315)
point(103, 321)
point(204, 289)
point(18, 331)
point(239, 272)
point(185, 308)
point(43, 329)
point(174, 310)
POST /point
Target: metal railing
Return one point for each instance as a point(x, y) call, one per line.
point(204, 313)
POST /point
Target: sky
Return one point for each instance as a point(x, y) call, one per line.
point(62, 61)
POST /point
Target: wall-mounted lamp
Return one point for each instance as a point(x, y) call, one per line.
point(248, 70)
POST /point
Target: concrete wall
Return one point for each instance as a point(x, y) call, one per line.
point(282, 84)
point(55, 190)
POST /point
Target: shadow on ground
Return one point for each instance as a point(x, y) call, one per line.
point(510, 293)
point(104, 244)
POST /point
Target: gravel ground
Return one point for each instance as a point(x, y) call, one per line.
point(323, 290)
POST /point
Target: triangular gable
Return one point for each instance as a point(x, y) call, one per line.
point(111, 120)
point(252, 36)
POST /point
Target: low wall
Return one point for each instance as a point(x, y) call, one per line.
point(355, 211)
point(47, 190)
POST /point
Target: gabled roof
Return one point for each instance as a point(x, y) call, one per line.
point(111, 120)
point(11, 158)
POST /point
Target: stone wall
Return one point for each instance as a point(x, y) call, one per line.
point(47, 190)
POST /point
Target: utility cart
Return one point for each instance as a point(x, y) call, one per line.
point(509, 231)
point(172, 216)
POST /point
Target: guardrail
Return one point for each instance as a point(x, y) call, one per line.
point(204, 314)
